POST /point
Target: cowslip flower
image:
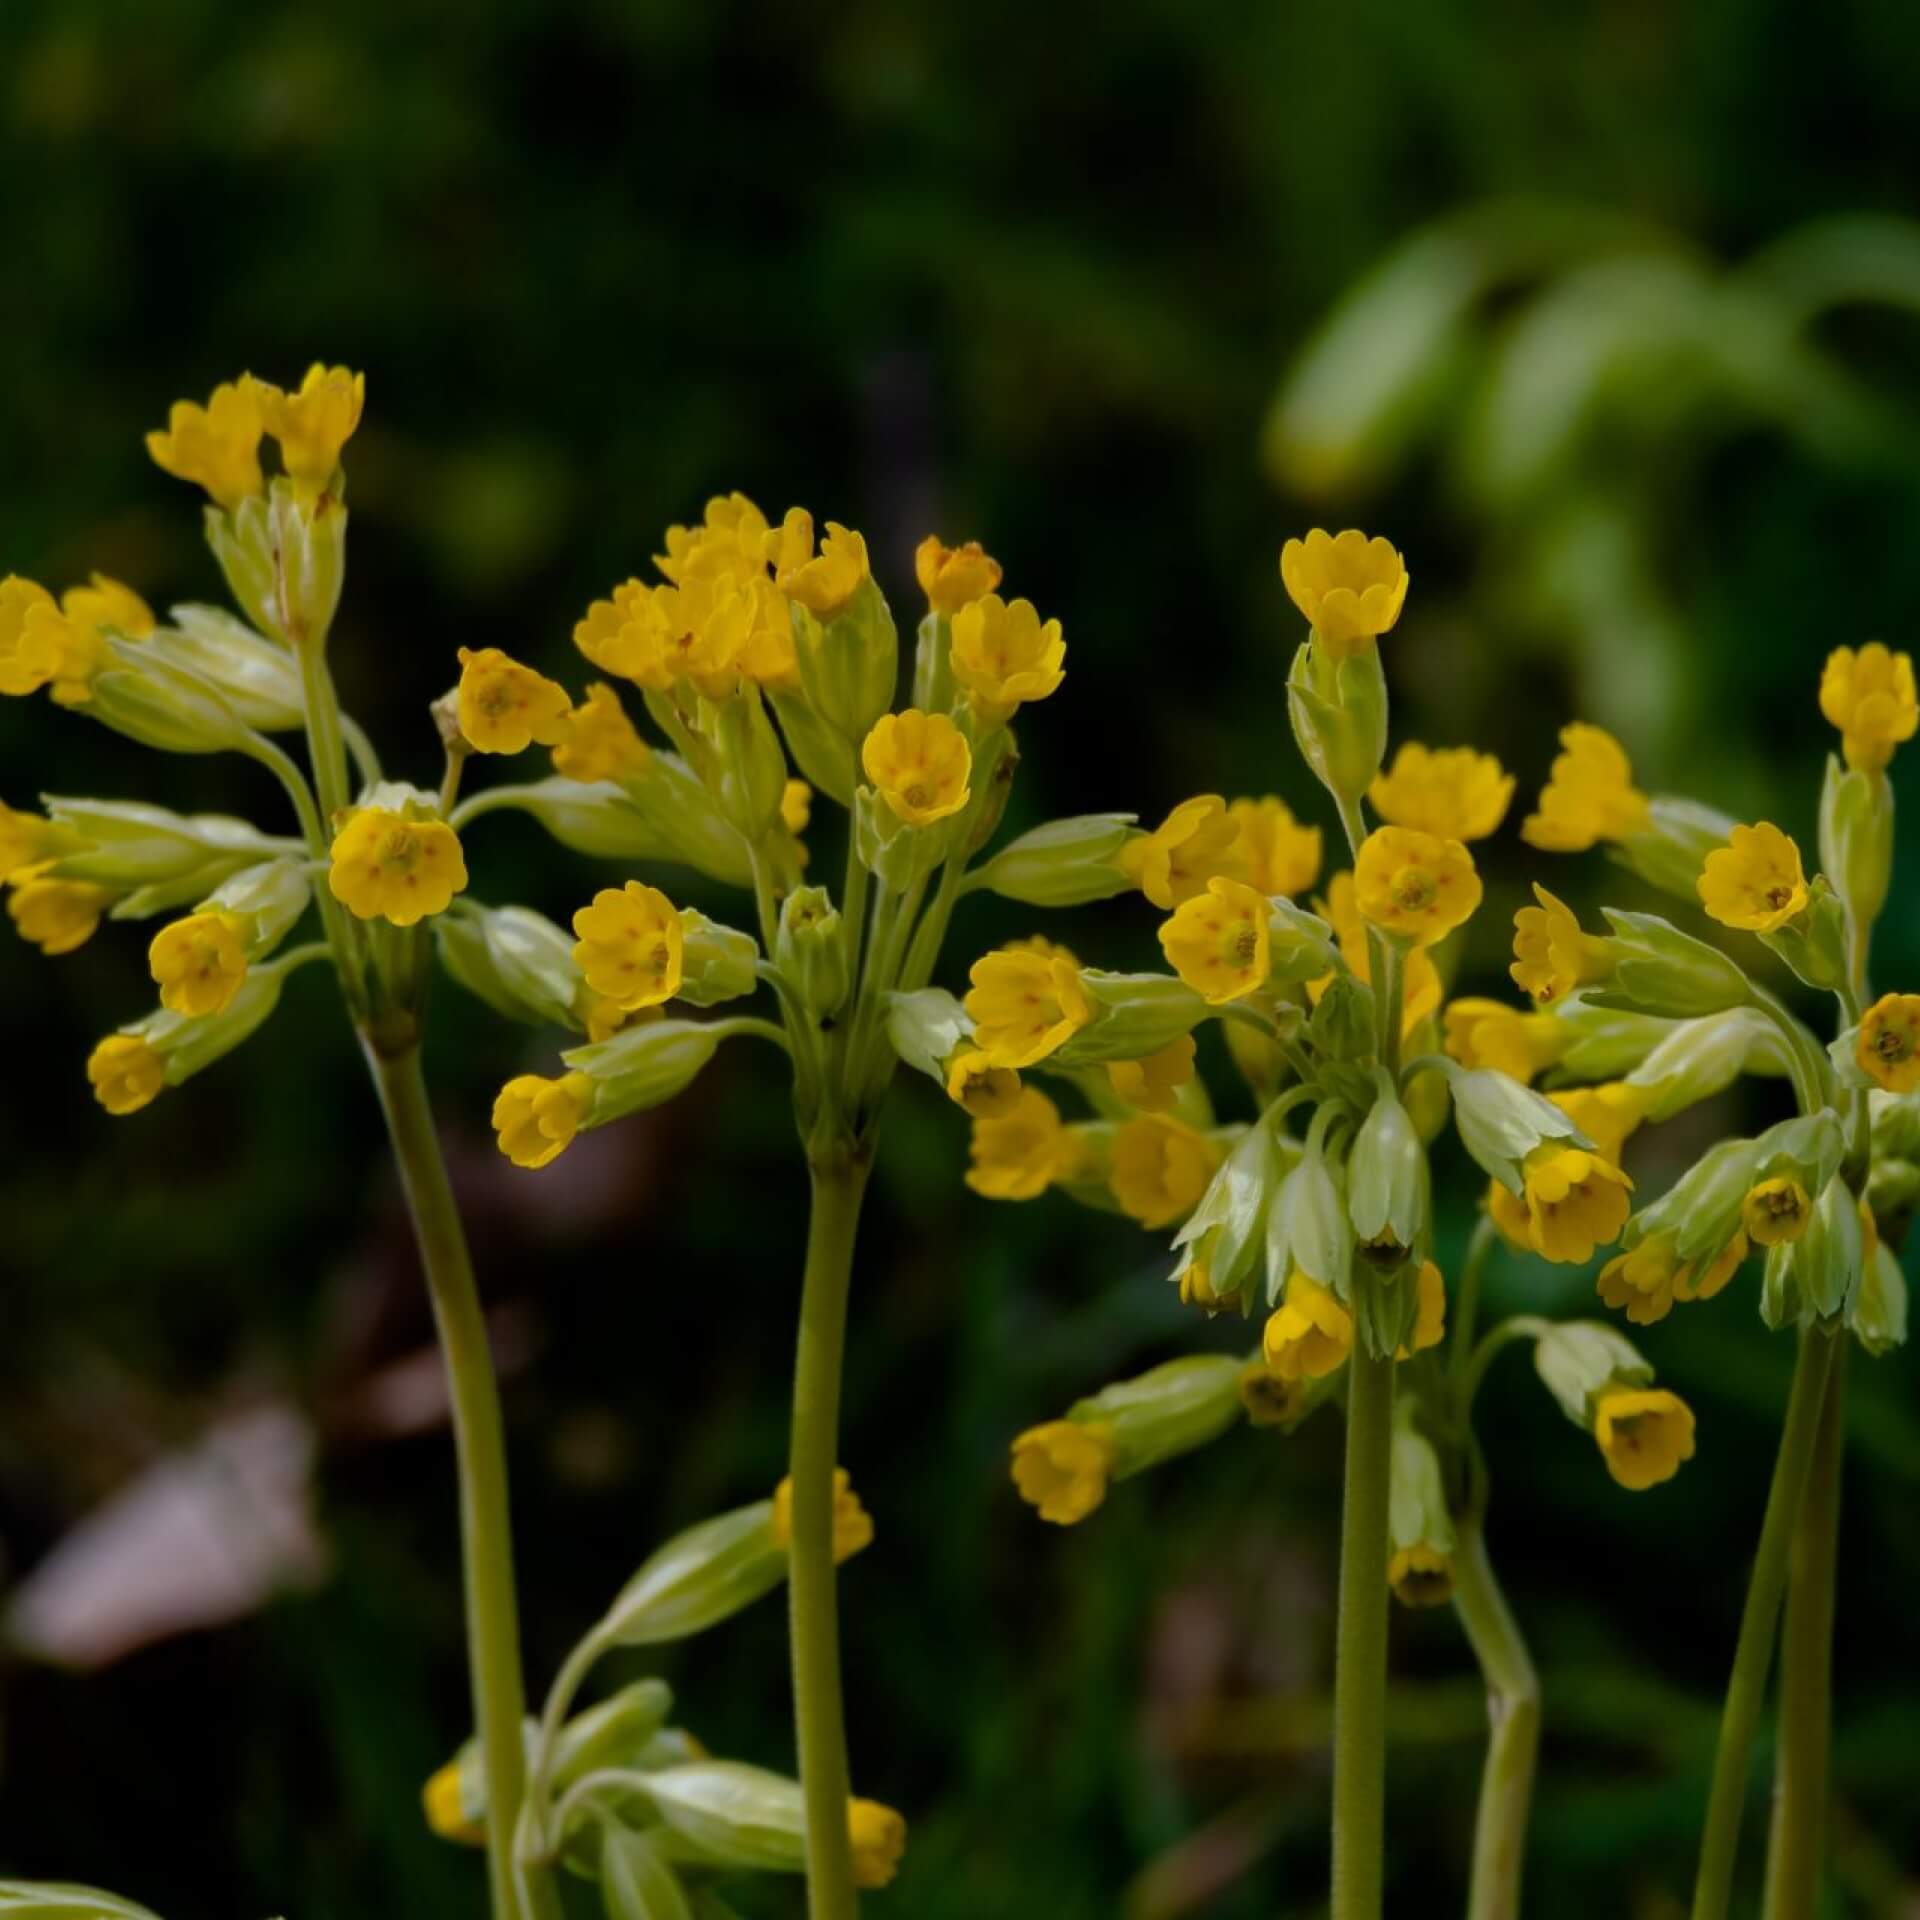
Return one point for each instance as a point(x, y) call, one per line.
point(1019, 1154)
point(629, 633)
point(1589, 795)
point(984, 1090)
point(598, 741)
point(1488, 1033)
point(200, 962)
point(88, 615)
point(631, 946)
point(1195, 1282)
point(1349, 589)
point(126, 1073)
point(536, 1120)
point(1775, 1211)
point(1430, 1319)
point(1309, 1336)
point(1646, 1281)
point(1421, 989)
point(852, 1524)
point(1888, 1049)
point(1414, 884)
point(878, 1836)
point(1282, 856)
point(796, 806)
point(385, 866)
point(1643, 1435)
point(1571, 1202)
point(216, 446)
point(1608, 1114)
point(1420, 1576)
point(1755, 881)
point(1153, 1083)
point(314, 422)
point(1219, 942)
point(1451, 792)
point(32, 633)
point(1551, 956)
point(444, 1802)
point(1004, 656)
point(505, 707)
point(1197, 842)
point(954, 577)
point(1161, 1167)
point(731, 539)
point(822, 582)
point(1062, 1468)
point(26, 839)
point(57, 916)
point(1869, 696)
point(1025, 1005)
point(920, 764)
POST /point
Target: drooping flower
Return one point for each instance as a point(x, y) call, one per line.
point(1153, 1084)
point(1572, 1202)
point(1643, 1434)
point(1775, 1211)
point(1755, 881)
point(984, 1090)
point(1019, 1154)
point(200, 962)
point(88, 615)
point(1888, 1049)
point(1196, 842)
point(126, 1073)
point(1309, 1336)
point(57, 916)
point(1062, 1468)
point(879, 1839)
point(1420, 1576)
point(1025, 1005)
point(1161, 1167)
point(1551, 956)
point(852, 1524)
point(1453, 793)
point(1349, 589)
point(537, 1119)
point(1415, 884)
point(1589, 795)
point(1488, 1033)
point(920, 764)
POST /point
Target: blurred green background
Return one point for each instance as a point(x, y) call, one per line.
point(1130, 292)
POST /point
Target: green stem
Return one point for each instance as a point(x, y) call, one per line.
point(1513, 1739)
point(1796, 1838)
point(325, 742)
point(1753, 1654)
point(839, 1172)
point(1806, 1065)
point(1360, 1657)
point(366, 761)
point(493, 1638)
point(1466, 1307)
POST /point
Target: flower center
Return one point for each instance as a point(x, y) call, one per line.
point(1892, 1045)
point(400, 850)
point(1778, 895)
point(1414, 889)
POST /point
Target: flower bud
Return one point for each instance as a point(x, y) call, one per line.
point(243, 542)
point(1500, 1122)
point(636, 1883)
point(1814, 1277)
point(271, 897)
point(1814, 944)
point(644, 1066)
point(1607, 1042)
point(160, 859)
point(1169, 1410)
point(1134, 1014)
point(1877, 1313)
point(1856, 840)
point(163, 705)
point(899, 854)
point(849, 663)
point(1342, 1027)
point(1697, 1059)
point(1308, 1229)
point(1387, 1173)
point(611, 1733)
point(717, 961)
point(926, 1029)
point(1419, 1524)
point(513, 958)
point(1658, 967)
point(1339, 713)
point(260, 681)
point(1065, 863)
point(700, 1577)
point(812, 952)
point(310, 538)
point(1672, 847)
point(753, 764)
point(1225, 1233)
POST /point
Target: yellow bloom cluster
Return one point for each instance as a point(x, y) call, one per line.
point(1869, 696)
point(1646, 1281)
point(218, 446)
point(1589, 795)
point(63, 645)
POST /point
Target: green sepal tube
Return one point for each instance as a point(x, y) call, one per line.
point(515, 960)
point(813, 951)
point(1065, 863)
point(644, 1066)
point(1169, 1410)
point(1339, 714)
point(1671, 850)
point(1134, 1014)
point(1579, 1360)
point(700, 1577)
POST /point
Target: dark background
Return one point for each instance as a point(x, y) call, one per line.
point(1036, 275)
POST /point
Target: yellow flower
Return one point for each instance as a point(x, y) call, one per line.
point(1573, 1201)
point(631, 946)
point(1349, 588)
point(629, 634)
point(1694, 1282)
point(1161, 1167)
point(1415, 884)
point(57, 915)
point(1196, 842)
point(1267, 1401)
point(1551, 956)
point(1869, 696)
point(596, 740)
point(445, 1806)
point(200, 962)
point(1282, 856)
point(89, 614)
point(1487, 1033)
point(954, 577)
point(879, 1837)
point(126, 1073)
point(314, 423)
point(1019, 1154)
point(852, 1524)
point(796, 806)
point(920, 763)
point(1608, 1114)
point(1420, 983)
point(1309, 1336)
point(389, 867)
point(725, 628)
point(603, 1018)
point(1430, 1324)
point(731, 540)
point(822, 582)
point(1645, 1281)
point(1153, 1084)
point(1062, 1468)
point(1643, 1434)
point(1755, 881)
point(984, 1090)
point(1003, 656)
point(505, 707)
point(1589, 795)
point(1775, 1211)
point(32, 636)
point(1888, 1050)
point(1195, 1281)
point(26, 839)
point(1218, 942)
point(537, 1119)
point(1451, 792)
point(1420, 1576)
point(1025, 1005)
point(216, 446)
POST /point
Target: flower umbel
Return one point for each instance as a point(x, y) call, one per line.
point(1589, 795)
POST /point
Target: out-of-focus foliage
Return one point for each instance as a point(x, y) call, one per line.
point(1035, 275)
